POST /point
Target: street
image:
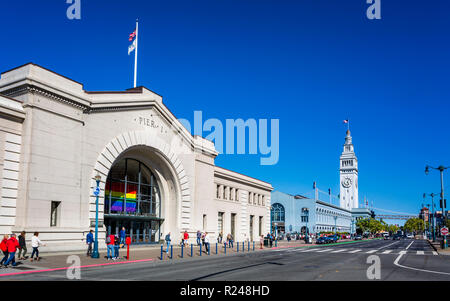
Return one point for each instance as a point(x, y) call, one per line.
point(406, 260)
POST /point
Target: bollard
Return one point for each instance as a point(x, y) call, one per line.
point(182, 248)
point(225, 249)
point(216, 248)
point(276, 242)
point(243, 246)
point(171, 251)
point(237, 247)
point(253, 246)
point(200, 249)
point(248, 247)
point(192, 249)
point(161, 252)
point(128, 251)
point(209, 249)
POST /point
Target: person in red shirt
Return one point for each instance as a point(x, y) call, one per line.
point(110, 246)
point(185, 238)
point(12, 244)
point(4, 249)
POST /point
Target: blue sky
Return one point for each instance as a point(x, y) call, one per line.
point(309, 64)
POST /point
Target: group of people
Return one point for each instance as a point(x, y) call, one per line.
point(10, 244)
point(113, 243)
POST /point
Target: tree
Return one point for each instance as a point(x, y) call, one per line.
point(414, 224)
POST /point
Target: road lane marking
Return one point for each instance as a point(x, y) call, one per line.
point(387, 252)
point(371, 251)
point(354, 251)
point(415, 269)
point(326, 250)
point(409, 245)
point(340, 250)
point(389, 245)
point(420, 253)
point(309, 250)
point(435, 253)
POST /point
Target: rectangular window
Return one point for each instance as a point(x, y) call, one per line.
point(260, 226)
point(54, 213)
point(204, 222)
point(220, 223)
point(251, 227)
point(233, 221)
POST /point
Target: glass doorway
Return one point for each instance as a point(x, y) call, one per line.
point(140, 231)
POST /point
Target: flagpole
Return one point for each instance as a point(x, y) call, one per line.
point(135, 54)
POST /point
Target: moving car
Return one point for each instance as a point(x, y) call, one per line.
point(358, 237)
point(333, 238)
point(396, 237)
point(410, 236)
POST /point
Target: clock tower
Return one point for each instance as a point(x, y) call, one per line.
point(348, 175)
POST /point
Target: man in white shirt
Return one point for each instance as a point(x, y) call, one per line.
point(207, 242)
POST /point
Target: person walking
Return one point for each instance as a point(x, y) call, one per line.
point(206, 241)
point(230, 241)
point(22, 246)
point(261, 241)
point(168, 241)
point(12, 244)
point(110, 245)
point(122, 235)
point(117, 242)
point(199, 236)
point(35, 243)
point(89, 241)
point(4, 249)
point(185, 238)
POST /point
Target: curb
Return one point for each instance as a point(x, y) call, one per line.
point(433, 246)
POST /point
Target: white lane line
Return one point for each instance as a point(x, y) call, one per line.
point(415, 269)
point(387, 252)
point(409, 245)
point(354, 251)
point(339, 250)
point(371, 251)
point(420, 253)
point(435, 253)
point(389, 245)
point(309, 250)
point(326, 250)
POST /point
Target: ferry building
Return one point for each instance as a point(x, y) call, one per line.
point(55, 138)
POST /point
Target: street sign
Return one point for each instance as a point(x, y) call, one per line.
point(97, 191)
point(444, 231)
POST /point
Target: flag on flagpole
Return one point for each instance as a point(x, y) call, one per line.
point(132, 47)
point(132, 35)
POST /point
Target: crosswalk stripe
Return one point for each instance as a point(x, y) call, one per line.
point(371, 251)
point(435, 253)
point(420, 253)
point(326, 250)
point(309, 250)
point(355, 251)
point(339, 250)
point(387, 252)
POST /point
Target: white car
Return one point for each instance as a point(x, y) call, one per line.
point(409, 236)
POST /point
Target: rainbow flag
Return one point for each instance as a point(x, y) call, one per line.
point(117, 192)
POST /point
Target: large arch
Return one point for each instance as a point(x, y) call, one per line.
point(128, 140)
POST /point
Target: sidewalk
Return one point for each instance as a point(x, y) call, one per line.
point(437, 247)
point(51, 261)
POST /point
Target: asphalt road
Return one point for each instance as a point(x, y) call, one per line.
point(399, 260)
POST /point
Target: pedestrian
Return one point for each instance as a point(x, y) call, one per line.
point(117, 241)
point(12, 244)
point(35, 243)
point(89, 241)
point(231, 241)
point(288, 237)
point(22, 246)
point(186, 238)
point(4, 249)
point(110, 246)
point(199, 236)
point(206, 242)
point(122, 235)
point(261, 241)
point(220, 238)
point(270, 239)
point(168, 241)
point(203, 239)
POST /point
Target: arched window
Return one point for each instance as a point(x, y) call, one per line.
point(131, 189)
point(277, 213)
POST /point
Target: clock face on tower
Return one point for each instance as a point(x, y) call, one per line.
point(347, 182)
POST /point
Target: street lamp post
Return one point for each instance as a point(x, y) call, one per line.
point(96, 192)
point(444, 215)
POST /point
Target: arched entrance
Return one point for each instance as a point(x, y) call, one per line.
point(133, 201)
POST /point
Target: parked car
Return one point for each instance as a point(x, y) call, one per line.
point(410, 236)
point(322, 240)
point(358, 237)
point(386, 237)
point(333, 238)
point(396, 237)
